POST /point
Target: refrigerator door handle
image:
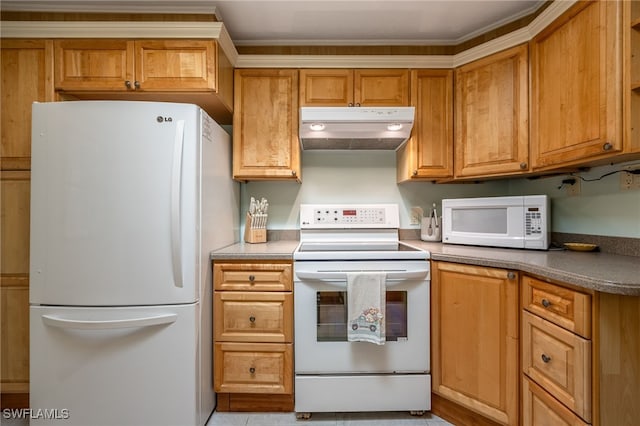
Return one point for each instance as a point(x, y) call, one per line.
point(109, 324)
point(176, 184)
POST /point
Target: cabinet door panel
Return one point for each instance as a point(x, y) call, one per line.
point(540, 408)
point(475, 339)
point(326, 87)
point(176, 65)
point(576, 88)
point(93, 64)
point(492, 132)
point(388, 87)
point(265, 125)
point(428, 154)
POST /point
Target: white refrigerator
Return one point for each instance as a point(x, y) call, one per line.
point(128, 199)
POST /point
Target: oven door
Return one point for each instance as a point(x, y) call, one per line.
point(321, 345)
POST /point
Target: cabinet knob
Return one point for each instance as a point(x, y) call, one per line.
point(545, 358)
point(293, 173)
point(350, 104)
point(127, 84)
point(523, 166)
point(252, 278)
point(546, 303)
point(511, 275)
point(607, 146)
point(136, 84)
point(252, 370)
point(252, 319)
point(415, 173)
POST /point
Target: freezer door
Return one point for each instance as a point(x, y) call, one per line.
point(114, 203)
point(116, 366)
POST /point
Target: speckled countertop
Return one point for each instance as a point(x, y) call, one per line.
point(609, 273)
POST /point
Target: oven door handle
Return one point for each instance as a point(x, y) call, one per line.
point(395, 274)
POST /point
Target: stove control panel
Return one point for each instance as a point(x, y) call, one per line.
point(323, 216)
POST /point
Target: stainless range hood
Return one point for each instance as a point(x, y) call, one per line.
point(381, 128)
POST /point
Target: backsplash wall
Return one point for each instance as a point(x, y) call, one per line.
point(370, 177)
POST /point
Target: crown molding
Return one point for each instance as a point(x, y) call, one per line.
point(216, 30)
point(121, 29)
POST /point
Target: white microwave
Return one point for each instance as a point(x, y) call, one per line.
point(517, 222)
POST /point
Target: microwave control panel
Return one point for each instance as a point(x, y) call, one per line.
point(533, 221)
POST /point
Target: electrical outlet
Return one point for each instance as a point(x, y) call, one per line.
point(415, 216)
point(629, 181)
point(573, 189)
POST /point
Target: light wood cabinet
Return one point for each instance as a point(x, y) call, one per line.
point(253, 334)
point(265, 125)
point(580, 356)
point(428, 154)
point(194, 71)
point(359, 87)
point(492, 115)
point(27, 77)
point(475, 338)
point(577, 87)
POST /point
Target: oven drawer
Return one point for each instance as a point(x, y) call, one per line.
point(559, 361)
point(253, 316)
point(253, 368)
point(254, 276)
point(562, 306)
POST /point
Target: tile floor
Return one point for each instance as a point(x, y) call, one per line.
point(317, 419)
point(325, 419)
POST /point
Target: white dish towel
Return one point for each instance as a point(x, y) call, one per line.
point(366, 295)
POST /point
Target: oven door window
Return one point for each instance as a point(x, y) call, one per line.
point(331, 321)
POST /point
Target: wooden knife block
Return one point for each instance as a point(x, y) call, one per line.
point(254, 235)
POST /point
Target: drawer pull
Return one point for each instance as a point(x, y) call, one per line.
point(511, 275)
point(252, 278)
point(252, 370)
point(545, 358)
point(252, 319)
point(546, 303)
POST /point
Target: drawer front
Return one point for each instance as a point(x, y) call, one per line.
point(253, 316)
point(253, 368)
point(539, 408)
point(253, 276)
point(567, 308)
point(559, 361)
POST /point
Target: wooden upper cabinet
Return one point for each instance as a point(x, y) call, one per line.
point(27, 77)
point(491, 110)
point(576, 93)
point(428, 154)
point(156, 70)
point(360, 87)
point(265, 125)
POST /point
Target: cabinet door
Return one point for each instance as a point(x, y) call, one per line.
point(428, 154)
point(94, 65)
point(491, 125)
point(175, 65)
point(14, 281)
point(26, 78)
point(265, 125)
point(326, 87)
point(475, 338)
point(576, 89)
point(381, 87)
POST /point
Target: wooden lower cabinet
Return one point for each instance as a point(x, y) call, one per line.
point(253, 335)
point(475, 339)
point(580, 356)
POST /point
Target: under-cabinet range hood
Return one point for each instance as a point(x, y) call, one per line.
point(382, 128)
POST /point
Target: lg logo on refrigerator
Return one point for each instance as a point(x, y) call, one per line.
point(161, 119)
